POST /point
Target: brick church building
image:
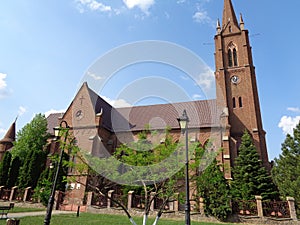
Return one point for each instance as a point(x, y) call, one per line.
point(99, 128)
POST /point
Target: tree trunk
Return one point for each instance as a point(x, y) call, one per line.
point(145, 219)
point(156, 220)
point(132, 221)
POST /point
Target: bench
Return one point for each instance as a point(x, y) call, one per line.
point(5, 209)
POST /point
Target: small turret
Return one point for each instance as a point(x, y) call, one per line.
point(242, 25)
point(218, 27)
point(6, 143)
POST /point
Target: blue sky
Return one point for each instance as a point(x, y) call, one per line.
point(48, 46)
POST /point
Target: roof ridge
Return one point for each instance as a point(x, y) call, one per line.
point(165, 104)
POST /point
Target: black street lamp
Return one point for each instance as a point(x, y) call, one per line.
point(183, 123)
point(57, 133)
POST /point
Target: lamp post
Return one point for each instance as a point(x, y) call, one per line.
point(183, 123)
point(51, 198)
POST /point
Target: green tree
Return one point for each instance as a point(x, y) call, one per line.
point(33, 136)
point(46, 179)
point(44, 186)
point(286, 169)
point(14, 172)
point(149, 166)
point(48, 174)
point(250, 177)
point(32, 168)
point(214, 189)
point(4, 168)
point(144, 154)
point(30, 148)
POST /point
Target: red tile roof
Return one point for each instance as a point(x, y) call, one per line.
point(201, 114)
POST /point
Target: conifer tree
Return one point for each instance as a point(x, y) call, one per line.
point(30, 148)
point(250, 177)
point(214, 189)
point(24, 176)
point(44, 186)
point(286, 169)
point(14, 172)
point(32, 168)
point(4, 168)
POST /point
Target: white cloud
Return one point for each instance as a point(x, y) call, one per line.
point(197, 96)
point(144, 5)
point(21, 111)
point(202, 17)
point(288, 123)
point(293, 109)
point(206, 79)
point(94, 76)
point(2, 81)
point(119, 103)
point(2, 132)
point(181, 1)
point(53, 111)
point(92, 5)
point(4, 92)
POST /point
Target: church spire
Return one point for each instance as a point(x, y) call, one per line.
point(7, 142)
point(10, 135)
point(229, 17)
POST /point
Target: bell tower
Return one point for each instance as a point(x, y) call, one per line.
point(236, 83)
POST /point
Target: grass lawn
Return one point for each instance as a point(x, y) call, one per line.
point(22, 209)
point(88, 219)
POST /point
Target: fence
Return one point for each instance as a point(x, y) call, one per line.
point(253, 208)
point(99, 200)
point(132, 201)
point(16, 194)
point(278, 209)
point(245, 208)
point(273, 209)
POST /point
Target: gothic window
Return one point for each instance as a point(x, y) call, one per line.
point(230, 29)
point(229, 58)
point(233, 103)
point(232, 55)
point(240, 102)
point(235, 62)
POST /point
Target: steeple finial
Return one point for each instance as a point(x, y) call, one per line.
point(242, 22)
point(218, 26)
point(229, 15)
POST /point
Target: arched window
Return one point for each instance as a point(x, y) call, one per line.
point(235, 62)
point(229, 58)
point(233, 103)
point(240, 102)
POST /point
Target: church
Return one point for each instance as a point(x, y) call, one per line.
point(100, 128)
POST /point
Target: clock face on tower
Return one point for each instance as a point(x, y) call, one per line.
point(235, 79)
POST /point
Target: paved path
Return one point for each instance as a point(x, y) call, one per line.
point(39, 213)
